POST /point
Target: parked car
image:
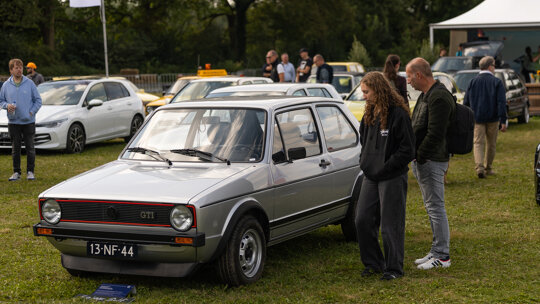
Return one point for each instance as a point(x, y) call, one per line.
point(197, 89)
point(347, 67)
point(344, 82)
point(517, 99)
point(179, 84)
point(79, 112)
point(277, 89)
point(356, 103)
point(537, 173)
point(145, 97)
point(209, 181)
point(472, 53)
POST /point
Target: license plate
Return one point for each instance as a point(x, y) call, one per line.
point(4, 135)
point(111, 250)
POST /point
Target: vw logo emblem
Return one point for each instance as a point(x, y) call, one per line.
point(112, 213)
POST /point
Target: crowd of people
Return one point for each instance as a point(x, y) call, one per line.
point(284, 71)
point(391, 138)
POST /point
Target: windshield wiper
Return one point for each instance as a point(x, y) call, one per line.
point(154, 154)
point(200, 154)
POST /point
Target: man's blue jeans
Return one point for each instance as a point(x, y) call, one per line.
point(430, 177)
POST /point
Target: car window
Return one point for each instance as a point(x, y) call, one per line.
point(300, 92)
point(463, 80)
point(259, 81)
point(316, 92)
point(97, 91)
point(508, 82)
point(246, 82)
point(343, 84)
point(298, 130)
point(515, 80)
point(338, 131)
point(114, 90)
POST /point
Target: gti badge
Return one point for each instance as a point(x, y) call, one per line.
point(148, 215)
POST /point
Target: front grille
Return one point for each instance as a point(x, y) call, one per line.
point(41, 139)
point(115, 212)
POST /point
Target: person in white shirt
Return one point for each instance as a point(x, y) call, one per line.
point(286, 69)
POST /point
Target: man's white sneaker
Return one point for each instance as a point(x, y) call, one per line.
point(30, 175)
point(434, 263)
point(14, 177)
point(424, 259)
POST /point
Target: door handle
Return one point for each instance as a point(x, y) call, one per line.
point(324, 163)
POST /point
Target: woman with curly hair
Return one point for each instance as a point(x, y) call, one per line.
point(398, 83)
point(388, 145)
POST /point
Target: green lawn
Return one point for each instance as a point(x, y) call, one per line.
point(495, 243)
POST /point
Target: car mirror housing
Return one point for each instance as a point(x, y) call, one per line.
point(94, 103)
point(297, 153)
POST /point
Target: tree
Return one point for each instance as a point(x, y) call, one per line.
point(358, 53)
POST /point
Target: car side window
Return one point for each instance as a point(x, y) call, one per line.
point(338, 131)
point(326, 93)
point(515, 80)
point(315, 92)
point(299, 132)
point(114, 90)
point(299, 93)
point(96, 92)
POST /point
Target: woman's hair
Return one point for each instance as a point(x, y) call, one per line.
point(385, 97)
point(390, 67)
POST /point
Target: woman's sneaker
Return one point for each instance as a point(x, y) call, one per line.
point(434, 263)
point(424, 259)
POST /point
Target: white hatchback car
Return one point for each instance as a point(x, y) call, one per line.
point(78, 112)
point(277, 89)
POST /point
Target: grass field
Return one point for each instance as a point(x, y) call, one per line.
point(495, 243)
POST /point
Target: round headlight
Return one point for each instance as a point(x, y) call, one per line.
point(51, 212)
point(181, 218)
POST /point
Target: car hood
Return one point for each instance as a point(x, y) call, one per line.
point(144, 181)
point(45, 113)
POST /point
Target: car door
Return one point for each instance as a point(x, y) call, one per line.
point(299, 173)
point(341, 142)
point(97, 120)
point(120, 106)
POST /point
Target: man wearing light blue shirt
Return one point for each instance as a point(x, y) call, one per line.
point(286, 69)
point(20, 98)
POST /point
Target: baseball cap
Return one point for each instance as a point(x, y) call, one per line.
point(303, 50)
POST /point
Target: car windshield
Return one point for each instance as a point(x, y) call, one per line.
point(202, 134)
point(446, 64)
point(343, 84)
point(339, 68)
point(60, 94)
point(356, 94)
point(491, 48)
point(196, 90)
point(245, 93)
point(177, 86)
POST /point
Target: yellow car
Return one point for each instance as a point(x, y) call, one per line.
point(179, 85)
point(347, 67)
point(356, 103)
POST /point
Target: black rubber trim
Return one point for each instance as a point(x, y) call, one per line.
point(308, 213)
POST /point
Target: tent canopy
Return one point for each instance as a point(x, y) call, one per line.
point(494, 14)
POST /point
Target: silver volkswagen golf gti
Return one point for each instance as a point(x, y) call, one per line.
point(208, 181)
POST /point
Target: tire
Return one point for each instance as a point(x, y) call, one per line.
point(76, 139)
point(242, 261)
point(348, 224)
point(524, 117)
point(136, 123)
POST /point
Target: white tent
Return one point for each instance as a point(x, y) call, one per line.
point(494, 14)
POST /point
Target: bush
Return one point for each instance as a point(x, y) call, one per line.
point(358, 53)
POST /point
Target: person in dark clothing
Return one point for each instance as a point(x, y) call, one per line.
point(325, 73)
point(270, 67)
point(304, 66)
point(526, 61)
point(486, 96)
point(391, 67)
point(387, 148)
point(433, 112)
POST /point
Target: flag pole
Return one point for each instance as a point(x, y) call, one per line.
point(102, 13)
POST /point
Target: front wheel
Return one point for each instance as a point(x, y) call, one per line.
point(136, 123)
point(75, 139)
point(524, 117)
point(242, 262)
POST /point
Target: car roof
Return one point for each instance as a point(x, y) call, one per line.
point(263, 102)
point(277, 87)
point(478, 71)
point(229, 78)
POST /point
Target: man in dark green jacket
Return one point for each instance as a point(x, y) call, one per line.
point(432, 114)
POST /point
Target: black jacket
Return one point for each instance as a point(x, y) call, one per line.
point(387, 153)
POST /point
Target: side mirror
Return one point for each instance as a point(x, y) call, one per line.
point(94, 103)
point(297, 153)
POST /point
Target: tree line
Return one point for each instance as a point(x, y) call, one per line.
point(178, 35)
